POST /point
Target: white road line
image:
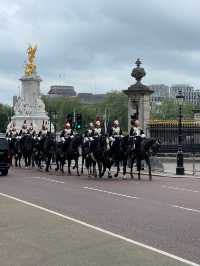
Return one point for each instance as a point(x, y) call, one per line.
point(132, 197)
point(110, 192)
point(184, 208)
point(131, 241)
point(181, 189)
point(48, 179)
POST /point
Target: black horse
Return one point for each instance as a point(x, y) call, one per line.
point(68, 150)
point(18, 151)
point(100, 154)
point(143, 150)
point(27, 149)
point(120, 150)
point(60, 148)
point(72, 151)
point(48, 150)
point(37, 153)
point(87, 158)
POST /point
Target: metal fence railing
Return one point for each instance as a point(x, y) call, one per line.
point(167, 133)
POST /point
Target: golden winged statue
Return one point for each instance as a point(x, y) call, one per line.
point(30, 67)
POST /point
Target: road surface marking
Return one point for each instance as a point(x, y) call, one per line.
point(132, 197)
point(184, 208)
point(181, 189)
point(110, 192)
point(48, 179)
point(99, 229)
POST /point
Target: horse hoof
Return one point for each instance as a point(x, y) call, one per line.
point(115, 175)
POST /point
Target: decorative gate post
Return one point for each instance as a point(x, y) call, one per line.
point(139, 99)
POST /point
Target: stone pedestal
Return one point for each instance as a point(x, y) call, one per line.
point(140, 105)
point(29, 105)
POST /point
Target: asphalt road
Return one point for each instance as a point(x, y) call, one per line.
point(163, 214)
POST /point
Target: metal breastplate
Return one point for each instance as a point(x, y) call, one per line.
point(68, 132)
point(90, 132)
point(97, 131)
point(116, 130)
point(137, 131)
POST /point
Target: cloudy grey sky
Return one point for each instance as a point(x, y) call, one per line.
point(93, 44)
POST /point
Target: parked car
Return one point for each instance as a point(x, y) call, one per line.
point(4, 156)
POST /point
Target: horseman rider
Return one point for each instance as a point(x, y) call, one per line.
point(44, 130)
point(136, 130)
point(67, 131)
point(24, 128)
point(30, 129)
point(115, 131)
point(14, 130)
point(98, 130)
point(89, 134)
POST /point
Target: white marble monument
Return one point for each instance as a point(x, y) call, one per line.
point(29, 105)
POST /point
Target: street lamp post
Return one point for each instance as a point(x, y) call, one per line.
point(180, 167)
point(52, 118)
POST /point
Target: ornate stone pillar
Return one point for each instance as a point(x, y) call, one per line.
point(139, 99)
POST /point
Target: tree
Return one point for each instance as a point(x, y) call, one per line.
point(115, 103)
point(168, 110)
point(5, 113)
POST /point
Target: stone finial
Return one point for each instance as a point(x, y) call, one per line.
point(138, 73)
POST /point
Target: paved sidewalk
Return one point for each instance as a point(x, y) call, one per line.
point(30, 237)
point(191, 166)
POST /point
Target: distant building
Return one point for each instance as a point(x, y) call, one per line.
point(191, 95)
point(59, 90)
point(69, 91)
point(89, 98)
point(85, 97)
point(161, 92)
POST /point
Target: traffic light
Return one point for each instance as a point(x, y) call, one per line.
point(78, 121)
point(70, 118)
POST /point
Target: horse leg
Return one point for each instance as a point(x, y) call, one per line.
point(109, 172)
point(62, 165)
point(124, 168)
point(20, 157)
point(26, 163)
point(104, 169)
point(16, 165)
point(149, 166)
point(69, 165)
point(138, 167)
point(47, 165)
point(33, 161)
point(99, 168)
point(132, 162)
point(76, 164)
point(29, 161)
point(82, 164)
point(118, 169)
